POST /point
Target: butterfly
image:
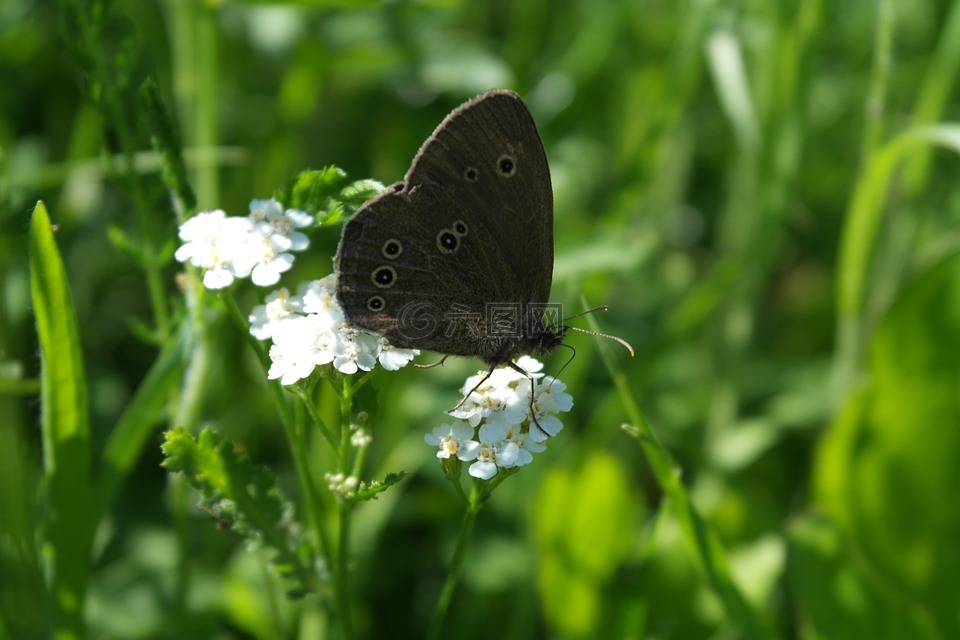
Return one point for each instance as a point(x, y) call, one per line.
point(458, 257)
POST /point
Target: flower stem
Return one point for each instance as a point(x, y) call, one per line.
point(345, 509)
point(446, 596)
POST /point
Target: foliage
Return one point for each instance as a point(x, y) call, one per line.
point(765, 194)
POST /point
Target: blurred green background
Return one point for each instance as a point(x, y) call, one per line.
point(755, 188)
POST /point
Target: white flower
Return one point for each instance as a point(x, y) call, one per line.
point(320, 296)
point(213, 242)
point(338, 483)
point(507, 421)
point(355, 350)
point(309, 330)
point(526, 447)
point(265, 319)
point(494, 452)
point(486, 465)
point(550, 398)
point(392, 358)
point(264, 253)
point(361, 438)
point(453, 440)
point(256, 246)
point(495, 399)
point(263, 210)
point(273, 222)
point(300, 344)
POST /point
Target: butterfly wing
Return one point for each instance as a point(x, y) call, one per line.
point(469, 230)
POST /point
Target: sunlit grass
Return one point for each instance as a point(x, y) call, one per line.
point(765, 195)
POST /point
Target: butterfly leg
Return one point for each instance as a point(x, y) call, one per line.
point(533, 393)
point(469, 393)
point(432, 364)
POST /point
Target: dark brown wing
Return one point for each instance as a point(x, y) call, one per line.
point(470, 227)
point(517, 205)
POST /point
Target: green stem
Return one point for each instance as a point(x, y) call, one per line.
point(879, 76)
point(318, 419)
point(446, 596)
point(346, 511)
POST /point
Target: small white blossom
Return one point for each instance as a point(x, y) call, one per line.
point(338, 483)
point(355, 350)
point(310, 328)
point(486, 465)
point(495, 399)
point(526, 446)
point(361, 438)
point(214, 242)
point(500, 412)
point(265, 319)
point(273, 222)
point(320, 296)
point(256, 246)
point(392, 358)
point(550, 398)
point(454, 440)
point(299, 345)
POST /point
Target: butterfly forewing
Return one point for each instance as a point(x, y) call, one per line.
point(469, 152)
point(471, 226)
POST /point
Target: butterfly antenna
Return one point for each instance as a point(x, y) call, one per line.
point(602, 307)
point(605, 335)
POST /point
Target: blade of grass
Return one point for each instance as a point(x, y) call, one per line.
point(65, 424)
point(144, 410)
point(938, 83)
point(700, 537)
point(859, 235)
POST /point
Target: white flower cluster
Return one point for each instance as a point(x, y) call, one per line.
point(500, 415)
point(309, 330)
point(256, 246)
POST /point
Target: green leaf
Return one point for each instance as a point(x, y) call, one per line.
point(369, 492)
point(245, 499)
point(890, 464)
point(327, 195)
point(65, 424)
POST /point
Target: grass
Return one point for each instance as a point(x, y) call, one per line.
point(763, 193)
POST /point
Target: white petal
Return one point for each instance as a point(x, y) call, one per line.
point(483, 470)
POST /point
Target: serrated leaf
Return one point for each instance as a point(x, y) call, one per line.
point(312, 189)
point(369, 492)
point(244, 498)
point(326, 194)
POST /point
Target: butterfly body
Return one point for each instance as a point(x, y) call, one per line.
point(458, 258)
